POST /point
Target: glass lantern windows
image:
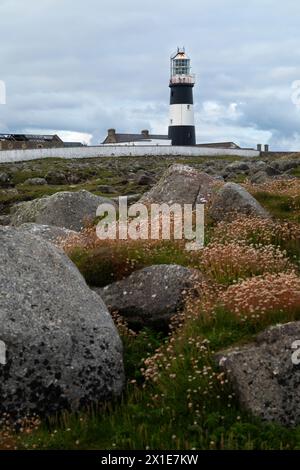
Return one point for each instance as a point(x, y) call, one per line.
point(181, 67)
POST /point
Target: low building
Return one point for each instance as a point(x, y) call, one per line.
point(220, 145)
point(28, 141)
point(144, 138)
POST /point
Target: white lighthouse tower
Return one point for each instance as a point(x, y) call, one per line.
point(182, 125)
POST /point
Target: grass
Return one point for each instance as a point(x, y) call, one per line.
point(189, 406)
point(111, 261)
point(279, 206)
point(175, 396)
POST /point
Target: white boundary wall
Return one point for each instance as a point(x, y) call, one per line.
point(8, 156)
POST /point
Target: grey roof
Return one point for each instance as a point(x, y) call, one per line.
point(123, 138)
point(73, 144)
point(28, 137)
point(224, 145)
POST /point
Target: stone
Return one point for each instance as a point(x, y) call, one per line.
point(131, 198)
point(56, 177)
point(106, 189)
point(271, 170)
point(286, 164)
point(64, 209)
point(36, 181)
point(263, 375)
point(5, 219)
point(63, 351)
point(259, 177)
point(180, 184)
point(48, 232)
point(237, 167)
point(4, 179)
point(144, 180)
point(231, 200)
point(152, 295)
point(73, 178)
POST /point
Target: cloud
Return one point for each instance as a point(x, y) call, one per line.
point(84, 66)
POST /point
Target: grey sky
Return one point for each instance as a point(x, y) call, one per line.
point(84, 66)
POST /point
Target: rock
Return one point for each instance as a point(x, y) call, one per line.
point(150, 296)
point(48, 232)
point(271, 171)
point(65, 209)
point(284, 165)
point(259, 177)
point(73, 178)
point(237, 167)
point(4, 179)
point(4, 219)
point(145, 180)
point(106, 189)
point(62, 348)
point(180, 184)
point(36, 181)
point(56, 177)
point(259, 165)
point(264, 377)
point(131, 198)
point(233, 199)
point(268, 170)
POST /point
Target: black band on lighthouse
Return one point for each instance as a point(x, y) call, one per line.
point(182, 135)
point(181, 94)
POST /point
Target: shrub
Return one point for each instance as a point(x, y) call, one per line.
point(263, 296)
point(229, 262)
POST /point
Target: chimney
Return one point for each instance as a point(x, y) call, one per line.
point(259, 147)
point(145, 133)
point(266, 148)
point(111, 136)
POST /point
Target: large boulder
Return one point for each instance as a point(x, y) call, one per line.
point(180, 184)
point(231, 200)
point(287, 164)
point(62, 348)
point(263, 374)
point(65, 209)
point(56, 177)
point(4, 179)
point(259, 177)
point(51, 233)
point(151, 296)
point(35, 182)
point(237, 167)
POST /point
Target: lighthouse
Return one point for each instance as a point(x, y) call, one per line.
point(182, 125)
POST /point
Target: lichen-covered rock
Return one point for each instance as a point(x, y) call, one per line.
point(51, 233)
point(238, 167)
point(263, 374)
point(55, 177)
point(62, 348)
point(259, 177)
point(180, 184)
point(70, 210)
point(36, 181)
point(151, 296)
point(231, 200)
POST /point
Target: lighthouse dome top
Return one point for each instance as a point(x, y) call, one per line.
point(180, 54)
